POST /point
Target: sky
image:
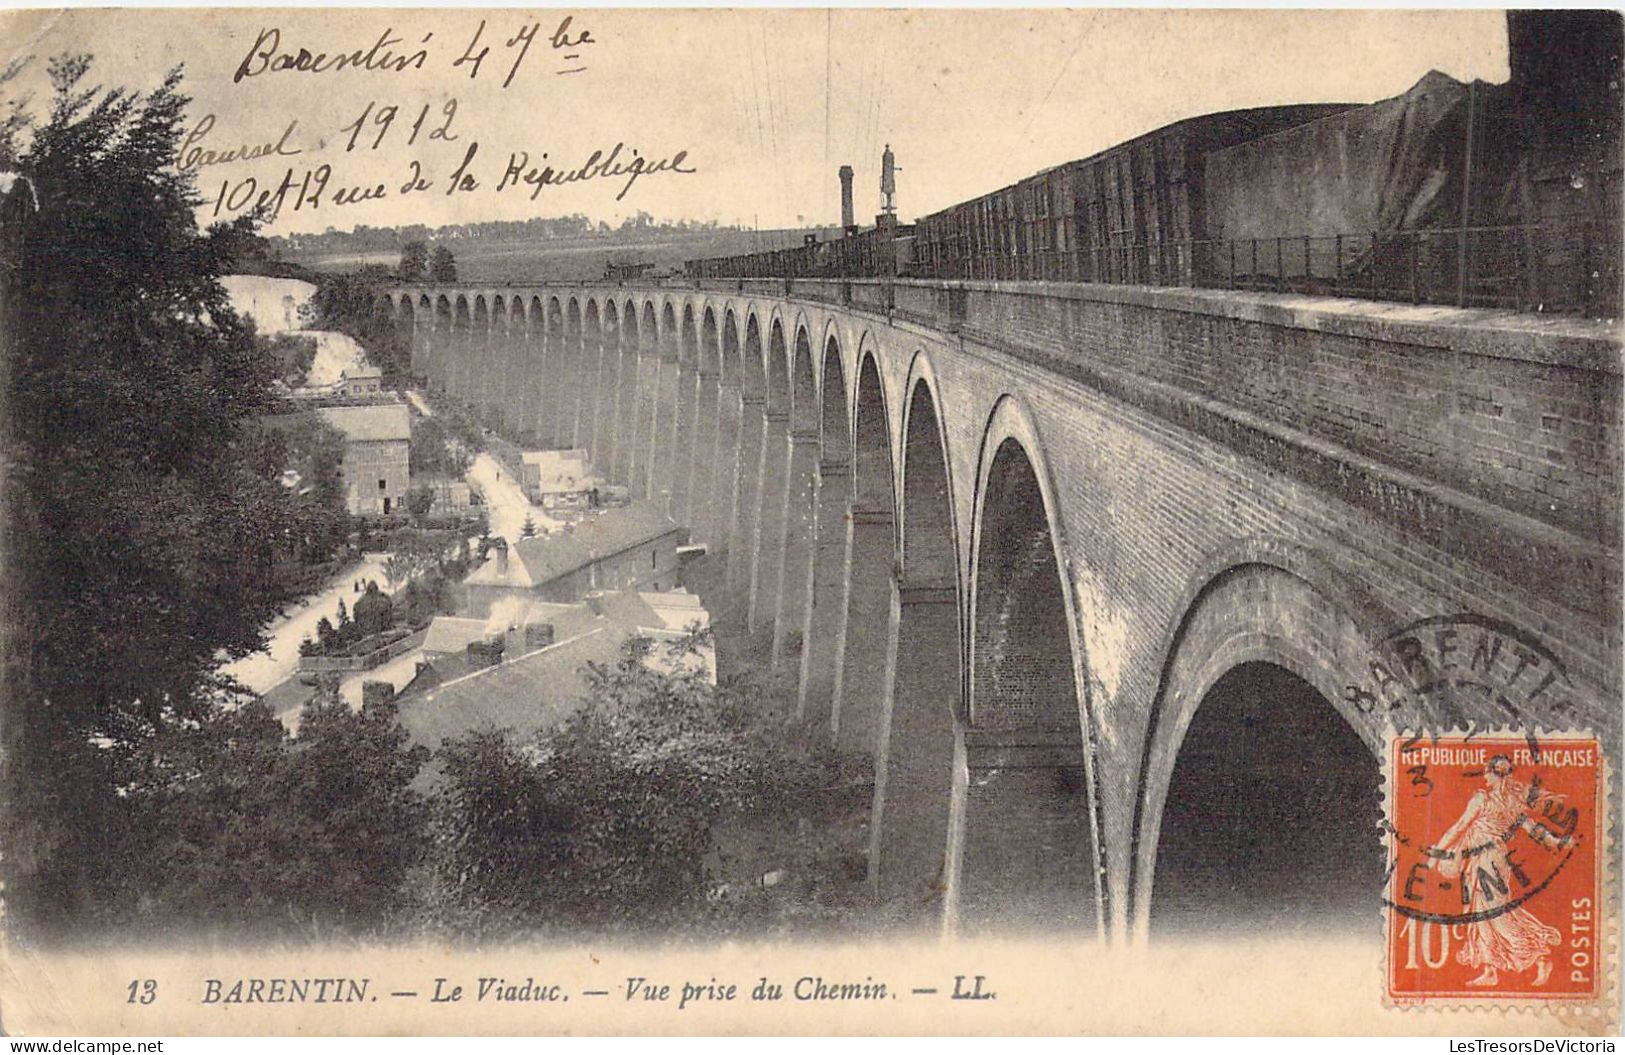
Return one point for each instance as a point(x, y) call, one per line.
point(763, 104)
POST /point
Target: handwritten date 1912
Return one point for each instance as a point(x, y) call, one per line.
point(384, 116)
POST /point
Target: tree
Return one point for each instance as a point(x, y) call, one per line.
point(414, 262)
point(610, 816)
point(529, 530)
point(261, 833)
point(420, 500)
point(349, 304)
point(442, 265)
point(143, 531)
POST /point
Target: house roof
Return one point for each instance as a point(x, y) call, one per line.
point(621, 528)
point(449, 633)
point(370, 422)
point(527, 694)
point(677, 609)
point(540, 560)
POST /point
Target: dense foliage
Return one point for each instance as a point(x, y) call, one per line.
point(145, 518)
point(251, 832)
point(610, 820)
point(414, 262)
point(442, 265)
point(434, 452)
point(147, 515)
point(348, 303)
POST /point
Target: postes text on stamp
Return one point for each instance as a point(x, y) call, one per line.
point(1494, 886)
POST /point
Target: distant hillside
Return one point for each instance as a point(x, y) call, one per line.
point(521, 252)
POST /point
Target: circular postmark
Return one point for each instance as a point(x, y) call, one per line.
point(1466, 672)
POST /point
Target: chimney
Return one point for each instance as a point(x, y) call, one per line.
point(486, 653)
point(538, 635)
point(848, 219)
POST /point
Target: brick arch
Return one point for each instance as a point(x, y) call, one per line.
point(805, 411)
point(874, 459)
point(710, 346)
point(648, 330)
point(920, 430)
point(860, 681)
point(668, 332)
point(1250, 613)
point(835, 421)
point(1027, 834)
point(776, 363)
point(688, 348)
point(592, 352)
point(733, 372)
point(916, 772)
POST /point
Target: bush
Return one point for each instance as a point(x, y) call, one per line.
point(248, 831)
point(608, 820)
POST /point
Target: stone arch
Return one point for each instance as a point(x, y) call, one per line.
point(916, 754)
point(1026, 831)
point(767, 562)
point(1257, 666)
point(463, 305)
point(874, 483)
point(669, 343)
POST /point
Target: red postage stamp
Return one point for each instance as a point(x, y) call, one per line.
point(1494, 887)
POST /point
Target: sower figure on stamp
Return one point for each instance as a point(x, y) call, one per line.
point(1511, 939)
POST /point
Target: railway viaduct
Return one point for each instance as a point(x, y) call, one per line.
point(1123, 588)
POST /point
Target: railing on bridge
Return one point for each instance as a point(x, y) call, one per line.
point(1573, 269)
point(1561, 268)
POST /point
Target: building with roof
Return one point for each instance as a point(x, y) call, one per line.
point(526, 677)
point(632, 547)
point(377, 455)
point(558, 479)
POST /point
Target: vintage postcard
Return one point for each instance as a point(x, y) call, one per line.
point(801, 521)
